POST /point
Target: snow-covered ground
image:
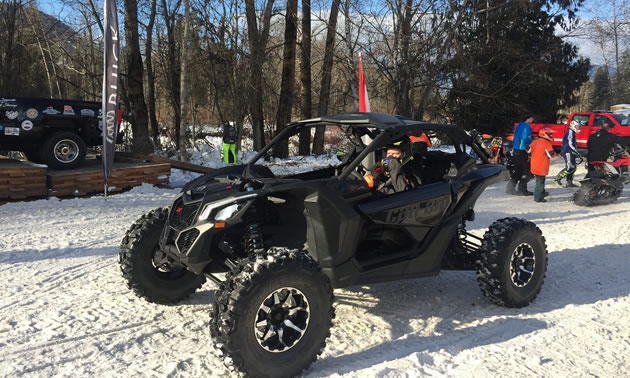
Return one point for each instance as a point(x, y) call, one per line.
point(66, 311)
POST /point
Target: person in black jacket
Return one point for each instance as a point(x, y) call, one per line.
point(388, 174)
point(601, 142)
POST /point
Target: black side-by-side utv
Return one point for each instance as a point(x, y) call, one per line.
point(277, 246)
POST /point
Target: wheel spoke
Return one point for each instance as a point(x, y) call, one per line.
point(276, 299)
point(522, 268)
point(261, 323)
point(288, 301)
point(270, 333)
point(294, 310)
point(280, 334)
point(290, 324)
point(265, 309)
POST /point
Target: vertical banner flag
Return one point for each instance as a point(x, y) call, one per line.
point(364, 106)
point(364, 100)
point(110, 87)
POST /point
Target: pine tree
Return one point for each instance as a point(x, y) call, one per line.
point(602, 89)
point(509, 62)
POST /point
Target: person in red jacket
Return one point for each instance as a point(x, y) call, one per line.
point(541, 152)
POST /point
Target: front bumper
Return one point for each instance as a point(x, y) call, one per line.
point(194, 242)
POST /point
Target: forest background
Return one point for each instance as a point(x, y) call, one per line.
point(262, 63)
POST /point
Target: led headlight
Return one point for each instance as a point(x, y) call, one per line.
point(227, 212)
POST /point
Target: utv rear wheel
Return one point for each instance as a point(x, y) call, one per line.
point(273, 316)
point(148, 271)
point(513, 262)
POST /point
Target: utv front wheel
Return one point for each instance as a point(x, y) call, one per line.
point(273, 316)
point(148, 271)
point(513, 262)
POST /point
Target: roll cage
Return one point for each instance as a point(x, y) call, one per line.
point(382, 129)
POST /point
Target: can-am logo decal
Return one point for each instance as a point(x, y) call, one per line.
point(416, 212)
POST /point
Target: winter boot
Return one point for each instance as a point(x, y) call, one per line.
point(511, 188)
point(570, 184)
point(558, 180)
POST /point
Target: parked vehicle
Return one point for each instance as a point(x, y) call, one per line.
point(589, 122)
point(48, 131)
point(605, 184)
point(286, 242)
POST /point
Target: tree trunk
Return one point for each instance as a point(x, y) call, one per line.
point(354, 81)
point(154, 130)
point(305, 77)
point(138, 110)
point(403, 70)
point(324, 94)
point(183, 155)
point(257, 45)
point(288, 76)
point(173, 69)
point(8, 31)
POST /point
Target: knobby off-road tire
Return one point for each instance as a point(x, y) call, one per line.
point(273, 314)
point(146, 269)
point(513, 262)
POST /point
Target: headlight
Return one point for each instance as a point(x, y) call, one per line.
point(227, 212)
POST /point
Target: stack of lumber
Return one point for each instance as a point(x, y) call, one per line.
point(20, 179)
point(88, 178)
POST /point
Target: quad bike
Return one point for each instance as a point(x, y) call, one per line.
point(604, 184)
point(276, 247)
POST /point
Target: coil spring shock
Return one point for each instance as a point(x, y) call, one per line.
point(467, 241)
point(253, 242)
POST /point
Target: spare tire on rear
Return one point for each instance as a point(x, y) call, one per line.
point(63, 150)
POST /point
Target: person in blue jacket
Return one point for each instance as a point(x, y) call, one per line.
point(521, 142)
point(569, 152)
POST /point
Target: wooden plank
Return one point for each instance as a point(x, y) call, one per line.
point(173, 163)
point(20, 179)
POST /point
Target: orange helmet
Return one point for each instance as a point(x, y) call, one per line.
point(421, 138)
point(546, 134)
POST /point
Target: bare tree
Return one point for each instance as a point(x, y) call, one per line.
point(183, 134)
point(258, 38)
point(154, 130)
point(305, 77)
point(138, 116)
point(324, 92)
point(172, 67)
point(285, 101)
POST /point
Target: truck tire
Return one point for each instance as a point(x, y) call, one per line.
point(513, 262)
point(273, 315)
point(147, 270)
point(63, 150)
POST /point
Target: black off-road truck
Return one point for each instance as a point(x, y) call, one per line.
point(277, 246)
point(54, 132)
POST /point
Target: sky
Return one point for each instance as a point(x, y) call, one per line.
point(587, 48)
